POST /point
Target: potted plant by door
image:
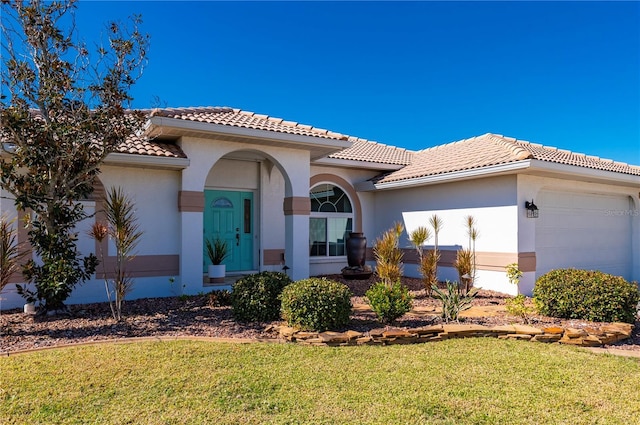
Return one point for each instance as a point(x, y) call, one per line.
point(217, 251)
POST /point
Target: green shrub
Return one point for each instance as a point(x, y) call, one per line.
point(519, 307)
point(587, 295)
point(454, 300)
point(389, 302)
point(255, 298)
point(220, 298)
point(316, 304)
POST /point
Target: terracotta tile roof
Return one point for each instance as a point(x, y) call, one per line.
point(368, 151)
point(137, 146)
point(239, 118)
point(492, 149)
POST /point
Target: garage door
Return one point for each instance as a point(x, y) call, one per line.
point(583, 230)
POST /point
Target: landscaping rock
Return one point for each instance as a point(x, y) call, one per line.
point(527, 330)
point(575, 333)
point(547, 338)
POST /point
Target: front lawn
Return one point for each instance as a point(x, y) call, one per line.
point(469, 381)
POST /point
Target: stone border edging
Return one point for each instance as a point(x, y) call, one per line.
point(588, 337)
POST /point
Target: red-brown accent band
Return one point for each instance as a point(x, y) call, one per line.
point(190, 201)
point(143, 266)
point(489, 261)
point(273, 257)
point(297, 205)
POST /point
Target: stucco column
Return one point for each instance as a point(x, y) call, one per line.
point(635, 239)
point(296, 218)
point(191, 207)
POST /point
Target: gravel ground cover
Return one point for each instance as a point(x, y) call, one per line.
point(196, 316)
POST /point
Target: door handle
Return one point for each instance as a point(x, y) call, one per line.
point(237, 239)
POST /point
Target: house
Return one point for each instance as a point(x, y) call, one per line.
point(287, 194)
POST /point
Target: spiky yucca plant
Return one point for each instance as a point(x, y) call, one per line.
point(430, 265)
point(123, 229)
point(9, 251)
point(419, 238)
point(429, 269)
point(217, 251)
point(389, 255)
point(464, 266)
point(472, 232)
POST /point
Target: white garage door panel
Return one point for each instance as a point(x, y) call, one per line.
point(587, 231)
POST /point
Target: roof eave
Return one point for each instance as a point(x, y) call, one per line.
point(583, 173)
point(146, 161)
point(320, 146)
point(351, 163)
point(492, 170)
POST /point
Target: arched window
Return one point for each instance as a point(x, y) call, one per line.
point(330, 222)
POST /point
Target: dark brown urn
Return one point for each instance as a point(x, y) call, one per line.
point(356, 249)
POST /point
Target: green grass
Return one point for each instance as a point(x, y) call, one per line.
point(470, 381)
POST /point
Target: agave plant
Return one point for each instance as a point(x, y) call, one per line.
point(454, 300)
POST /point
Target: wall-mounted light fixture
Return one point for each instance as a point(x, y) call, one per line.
point(532, 209)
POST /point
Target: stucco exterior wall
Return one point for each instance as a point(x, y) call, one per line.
point(154, 193)
point(535, 187)
point(491, 201)
point(272, 223)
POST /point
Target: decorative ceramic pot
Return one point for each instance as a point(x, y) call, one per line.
point(30, 308)
point(217, 271)
point(356, 249)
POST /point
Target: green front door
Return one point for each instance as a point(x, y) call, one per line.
point(228, 215)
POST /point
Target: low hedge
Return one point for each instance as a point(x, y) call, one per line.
point(256, 297)
point(389, 302)
point(587, 295)
point(316, 304)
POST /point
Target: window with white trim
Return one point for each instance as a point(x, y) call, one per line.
point(330, 222)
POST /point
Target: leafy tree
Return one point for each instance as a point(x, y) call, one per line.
point(63, 110)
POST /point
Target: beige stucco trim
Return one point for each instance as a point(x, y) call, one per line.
point(349, 190)
point(297, 205)
point(190, 201)
point(273, 257)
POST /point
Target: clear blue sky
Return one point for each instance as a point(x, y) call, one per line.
point(412, 74)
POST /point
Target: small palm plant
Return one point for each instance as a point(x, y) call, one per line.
point(123, 229)
point(472, 232)
point(9, 251)
point(433, 256)
point(464, 266)
point(217, 250)
point(389, 255)
point(418, 239)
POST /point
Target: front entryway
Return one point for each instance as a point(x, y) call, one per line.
point(228, 215)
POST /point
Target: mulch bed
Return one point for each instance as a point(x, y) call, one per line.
point(196, 316)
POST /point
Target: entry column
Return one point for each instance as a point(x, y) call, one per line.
point(191, 207)
point(296, 216)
